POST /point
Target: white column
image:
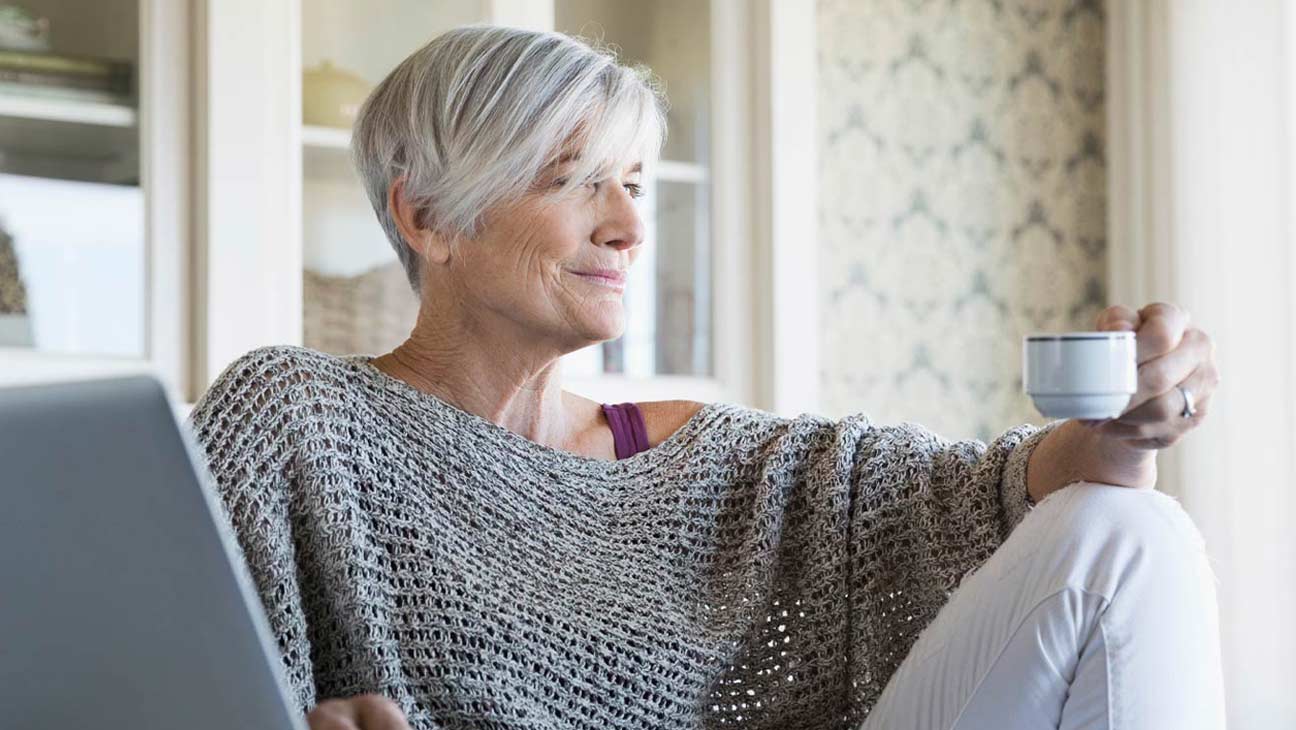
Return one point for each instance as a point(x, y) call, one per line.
point(785, 213)
point(248, 251)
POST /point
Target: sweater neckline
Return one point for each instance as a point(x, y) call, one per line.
point(548, 456)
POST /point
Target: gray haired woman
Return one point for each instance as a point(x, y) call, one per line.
point(442, 537)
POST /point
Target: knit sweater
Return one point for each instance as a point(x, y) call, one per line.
point(752, 570)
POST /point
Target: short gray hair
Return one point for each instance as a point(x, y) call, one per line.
point(473, 118)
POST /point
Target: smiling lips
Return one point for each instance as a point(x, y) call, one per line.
point(613, 278)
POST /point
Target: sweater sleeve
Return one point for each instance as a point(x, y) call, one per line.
point(925, 511)
point(958, 499)
point(240, 426)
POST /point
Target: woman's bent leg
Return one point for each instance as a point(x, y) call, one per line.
point(1099, 611)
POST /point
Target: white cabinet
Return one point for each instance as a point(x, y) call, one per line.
point(93, 194)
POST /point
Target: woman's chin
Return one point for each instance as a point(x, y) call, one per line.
point(592, 322)
point(604, 328)
point(610, 332)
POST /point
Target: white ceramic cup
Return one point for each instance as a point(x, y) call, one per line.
point(1090, 375)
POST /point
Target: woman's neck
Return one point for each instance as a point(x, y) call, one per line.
point(497, 380)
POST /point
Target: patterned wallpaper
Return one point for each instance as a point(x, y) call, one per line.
point(962, 201)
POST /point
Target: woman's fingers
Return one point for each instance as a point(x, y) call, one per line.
point(332, 715)
point(362, 712)
point(379, 713)
point(1119, 317)
point(1167, 406)
point(1157, 378)
point(1160, 331)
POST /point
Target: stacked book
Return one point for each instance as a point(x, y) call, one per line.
point(41, 73)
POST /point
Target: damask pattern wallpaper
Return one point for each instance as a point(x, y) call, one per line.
point(962, 201)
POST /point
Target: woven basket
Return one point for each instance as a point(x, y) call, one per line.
point(13, 295)
point(369, 313)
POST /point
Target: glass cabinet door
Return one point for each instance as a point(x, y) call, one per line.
point(72, 208)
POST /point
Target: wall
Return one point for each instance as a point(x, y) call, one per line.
point(962, 201)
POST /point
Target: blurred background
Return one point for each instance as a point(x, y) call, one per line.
point(863, 206)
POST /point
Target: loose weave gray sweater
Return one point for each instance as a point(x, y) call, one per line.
point(751, 571)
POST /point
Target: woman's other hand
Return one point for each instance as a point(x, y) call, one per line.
point(362, 712)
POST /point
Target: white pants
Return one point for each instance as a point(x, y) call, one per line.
point(1099, 611)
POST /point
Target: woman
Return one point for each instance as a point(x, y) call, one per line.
point(442, 537)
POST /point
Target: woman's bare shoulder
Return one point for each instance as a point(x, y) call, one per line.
point(665, 417)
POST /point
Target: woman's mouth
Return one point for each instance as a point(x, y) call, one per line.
point(610, 278)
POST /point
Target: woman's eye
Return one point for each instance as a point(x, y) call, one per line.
point(635, 189)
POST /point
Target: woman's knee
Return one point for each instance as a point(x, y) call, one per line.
point(1095, 535)
point(1148, 517)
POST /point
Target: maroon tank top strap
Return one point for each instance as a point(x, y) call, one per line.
point(629, 433)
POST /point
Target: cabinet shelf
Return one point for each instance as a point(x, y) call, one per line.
point(51, 109)
point(326, 138)
point(326, 154)
point(69, 139)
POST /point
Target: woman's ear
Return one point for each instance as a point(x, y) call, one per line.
point(409, 219)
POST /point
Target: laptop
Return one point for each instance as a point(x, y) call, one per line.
point(124, 602)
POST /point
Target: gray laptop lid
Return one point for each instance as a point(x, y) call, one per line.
point(123, 603)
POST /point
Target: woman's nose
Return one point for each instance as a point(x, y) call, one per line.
point(622, 228)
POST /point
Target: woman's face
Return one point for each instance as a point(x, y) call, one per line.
point(555, 264)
